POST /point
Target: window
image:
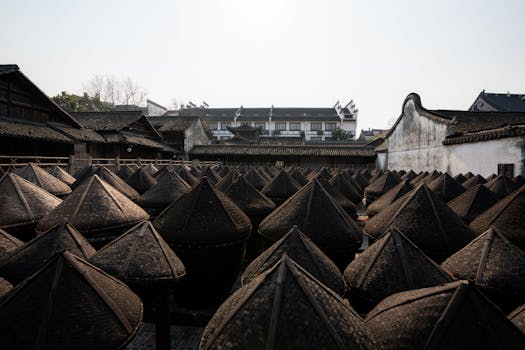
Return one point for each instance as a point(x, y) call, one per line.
point(506, 170)
point(261, 125)
point(329, 126)
point(295, 126)
point(315, 138)
point(224, 126)
point(212, 125)
point(316, 126)
point(280, 126)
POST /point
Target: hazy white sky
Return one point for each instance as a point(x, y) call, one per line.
point(280, 52)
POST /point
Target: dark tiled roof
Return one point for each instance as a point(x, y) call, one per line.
point(79, 134)
point(35, 131)
point(507, 131)
point(8, 68)
point(172, 123)
point(284, 150)
point(255, 114)
point(504, 102)
point(177, 125)
point(107, 121)
point(145, 142)
point(468, 122)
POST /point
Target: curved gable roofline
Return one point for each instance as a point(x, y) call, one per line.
point(421, 111)
point(14, 69)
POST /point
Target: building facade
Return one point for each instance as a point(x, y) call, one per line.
point(456, 142)
point(310, 124)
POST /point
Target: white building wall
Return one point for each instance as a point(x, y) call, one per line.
point(194, 135)
point(416, 143)
point(483, 157)
point(382, 160)
point(154, 109)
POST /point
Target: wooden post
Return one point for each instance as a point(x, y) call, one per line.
point(71, 165)
point(117, 162)
point(162, 318)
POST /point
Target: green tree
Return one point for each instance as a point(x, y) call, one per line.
point(84, 103)
point(342, 135)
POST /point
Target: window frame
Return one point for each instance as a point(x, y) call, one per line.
point(261, 125)
point(278, 126)
point(332, 125)
point(295, 126)
point(318, 126)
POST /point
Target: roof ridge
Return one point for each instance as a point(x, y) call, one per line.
point(254, 284)
point(218, 195)
point(276, 306)
point(100, 291)
point(84, 194)
point(313, 301)
point(436, 290)
point(447, 314)
point(33, 166)
point(373, 260)
point(42, 331)
point(302, 239)
point(402, 256)
point(123, 267)
point(403, 205)
point(436, 214)
point(163, 249)
point(20, 194)
point(487, 247)
point(103, 183)
point(512, 196)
